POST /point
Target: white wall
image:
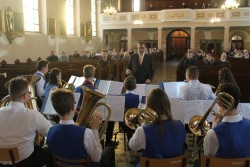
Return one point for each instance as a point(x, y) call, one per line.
point(36, 45)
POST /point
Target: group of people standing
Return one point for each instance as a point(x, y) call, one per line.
point(165, 138)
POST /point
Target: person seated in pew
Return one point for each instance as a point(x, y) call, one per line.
point(223, 59)
point(194, 89)
point(226, 76)
point(163, 139)
point(52, 56)
point(63, 57)
point(246, 54)
point(89, 74)
point(69, 141)
point(18, 127)
point(230, 138)
point(55, 82)
point(132, 100)
point(42, 67)
point(209, 60)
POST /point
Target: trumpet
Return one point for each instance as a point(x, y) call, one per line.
point(135, 117)
point(199, 126)
point(4, 74)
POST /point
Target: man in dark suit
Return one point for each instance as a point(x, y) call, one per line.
point(141, 65)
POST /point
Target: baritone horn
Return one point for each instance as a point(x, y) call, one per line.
point(135, 117)
point(69, 86)
point(89, 104)
point(4, 74)
point(199, 126)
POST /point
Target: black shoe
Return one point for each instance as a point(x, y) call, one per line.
point(111, 143)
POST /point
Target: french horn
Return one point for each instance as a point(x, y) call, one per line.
point(89, 104)
point(135, 117)
point(199, 126)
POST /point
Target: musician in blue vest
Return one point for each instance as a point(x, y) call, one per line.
point(89, 74)
point(230, 138)
point(54, 83)
point(132, 100)
point(69, 141)
point(163, 139)
point(42, 67)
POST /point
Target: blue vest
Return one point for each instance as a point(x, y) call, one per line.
point(131, 100)
point(46, 95)
point(169, 144)
point(66, 141)
point(233, 139)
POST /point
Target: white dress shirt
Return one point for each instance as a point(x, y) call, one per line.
point(40, 88)
point(18, 126)
point(211, 143)
point(194, 90)
point(91, 141)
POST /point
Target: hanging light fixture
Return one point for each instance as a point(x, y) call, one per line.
point(215, 20)
point(110, 10)
point(230, 4)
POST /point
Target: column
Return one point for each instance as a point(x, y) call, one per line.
point(99, 29)
point(160, 37)
point(192, 42)
point(226, 37)
point(129, 34)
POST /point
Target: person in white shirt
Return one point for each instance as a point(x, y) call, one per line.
point(18, 126)
point(42, 69)
point(194, 89)
point(230, 138)
point(67, 140)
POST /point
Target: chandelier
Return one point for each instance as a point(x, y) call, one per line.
point(110, 10)
point(215, 20)
point(138, 22)
point(230, 4)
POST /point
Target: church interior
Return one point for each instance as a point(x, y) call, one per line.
point(176, 33)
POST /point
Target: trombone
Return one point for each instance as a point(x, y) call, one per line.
point(4, 74)
point(199, 126)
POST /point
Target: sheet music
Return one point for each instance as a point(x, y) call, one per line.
point(103, 86)
point(49, 109)
point(72, 79)
point(150, 87)
point(177, 109)
point(115, 87)
point(117, 105)
point(140, 89)
point(80, 81)
point(76, 81)
point(205, 105)
point(192, 108)
point(173, 88)
point(245, 110)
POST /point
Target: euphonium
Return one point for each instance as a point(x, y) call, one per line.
point(3, 74)
point(135, 117)
point(200, 126)
point(89, 104)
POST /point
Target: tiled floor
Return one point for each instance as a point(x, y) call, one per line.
point(165, 71)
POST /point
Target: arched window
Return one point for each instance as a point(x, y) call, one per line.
point(237, 42)
point(70, 17)
point(31, 15)
point(136, 5)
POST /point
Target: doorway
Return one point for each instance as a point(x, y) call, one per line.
point(178, 41)
point(124, 43)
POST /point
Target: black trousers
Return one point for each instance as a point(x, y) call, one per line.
point(109, 131)
point(39, 158)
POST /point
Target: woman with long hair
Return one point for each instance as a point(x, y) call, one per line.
point(54, 83)
point(163, 139)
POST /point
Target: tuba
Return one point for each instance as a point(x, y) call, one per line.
point(4, 75)
point(135, 117)
point(89, 104)
point(31, 104)
point(199, 126)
